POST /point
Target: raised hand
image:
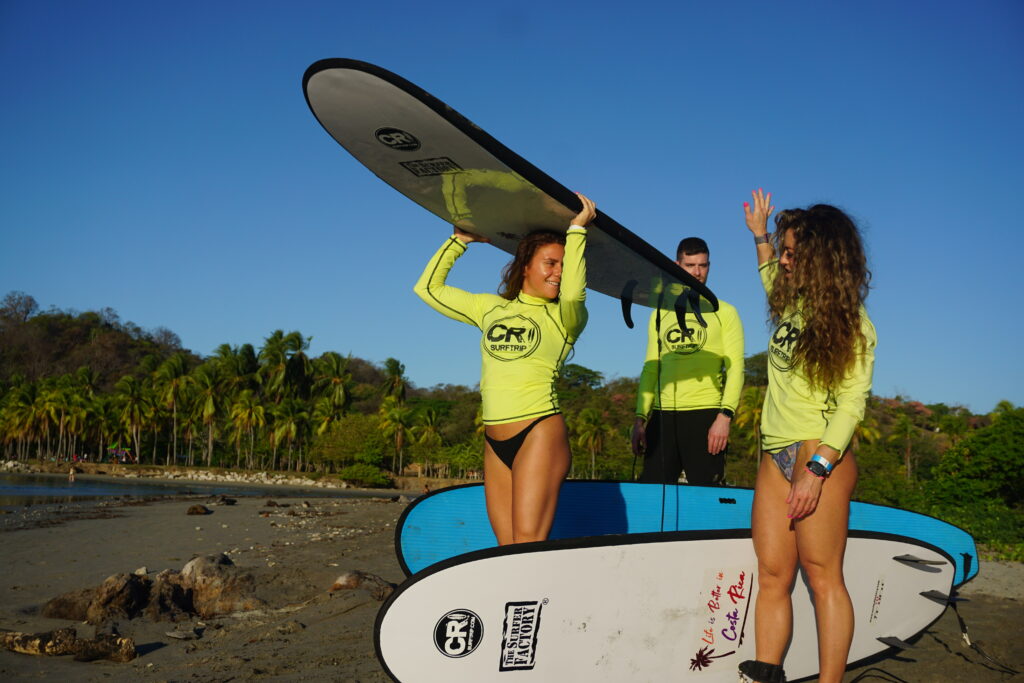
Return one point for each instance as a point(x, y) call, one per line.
point(757, 215)
point(587, 213)
point(466, 237)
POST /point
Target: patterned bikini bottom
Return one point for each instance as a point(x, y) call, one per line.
point(785, 458)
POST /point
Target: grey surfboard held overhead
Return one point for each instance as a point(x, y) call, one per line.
point(451, 167)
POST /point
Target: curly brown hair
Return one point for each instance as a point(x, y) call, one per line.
point(512, 274)
point(828, 285)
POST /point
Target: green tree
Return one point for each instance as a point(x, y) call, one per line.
point(592, 430)
point(134, 408)
point(987, 464)
point(395, 383)
point(395, 421)
point(171, 378)
point(246, 415)
point(903, 432)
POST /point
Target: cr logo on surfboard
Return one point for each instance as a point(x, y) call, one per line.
point(510, 338)
point(458, 633)
point(395, 138)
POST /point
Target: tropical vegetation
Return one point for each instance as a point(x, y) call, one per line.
point(89, 385)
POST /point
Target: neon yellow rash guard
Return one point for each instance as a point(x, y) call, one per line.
point(525, 341)
point(793, 410)
point(702, 370)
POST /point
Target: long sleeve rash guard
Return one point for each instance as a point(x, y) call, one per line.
point(701, 370)
point(793, 410)
point(524, 341)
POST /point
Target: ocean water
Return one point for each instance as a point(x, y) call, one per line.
point(21, 490)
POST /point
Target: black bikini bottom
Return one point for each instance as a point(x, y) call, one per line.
point(508, 449)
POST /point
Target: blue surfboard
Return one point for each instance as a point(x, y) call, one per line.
point(453, 521)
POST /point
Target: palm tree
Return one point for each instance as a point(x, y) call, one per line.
point(298, 371)
point(868, 429)
point(171, 378)
point(325, 413)
point(238, 367)
point(246, 414)
point(395, 382)
point(592, 429)
point(134, 406)
point(748, 414)
point(273, 359)
point(904, 431)
point(395, 421)
point(208, 401)
point(290, 421)
point(428, 435)
point(332, 380)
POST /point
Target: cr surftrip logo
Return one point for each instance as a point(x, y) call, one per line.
point(510, 338)
point(395, 138)
point(519, 635)
point(783, 342)
point(678, 340)
point(458, 633)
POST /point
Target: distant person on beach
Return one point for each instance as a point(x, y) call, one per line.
point(71, 475)
point(527, 333)
point(689, 387)
point(821, 356)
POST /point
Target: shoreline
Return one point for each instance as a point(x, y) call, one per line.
point(176, 474)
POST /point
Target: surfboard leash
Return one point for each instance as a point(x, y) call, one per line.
point(1003, 668)
point(881, 674)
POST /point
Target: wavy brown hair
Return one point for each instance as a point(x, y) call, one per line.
point(828, 285)
point(512, 274)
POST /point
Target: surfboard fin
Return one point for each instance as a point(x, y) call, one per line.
point(626, 299)
point(939, 597)
point(912, 559)
point(690, 300)
point(893, 641)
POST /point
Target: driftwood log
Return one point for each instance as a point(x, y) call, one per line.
point(206, 587)
point(64, 641)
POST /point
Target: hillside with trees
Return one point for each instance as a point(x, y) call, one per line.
point(89, 385)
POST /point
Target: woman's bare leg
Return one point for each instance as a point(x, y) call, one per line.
point(498, 493)
point(521, 502)
point(776, 548)
point(821, 545)
point(537, 475)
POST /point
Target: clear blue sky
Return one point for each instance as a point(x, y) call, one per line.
point(159, 159)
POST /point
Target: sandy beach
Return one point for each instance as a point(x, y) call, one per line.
point(307, 632)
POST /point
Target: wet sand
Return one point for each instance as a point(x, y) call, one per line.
point(309, 633)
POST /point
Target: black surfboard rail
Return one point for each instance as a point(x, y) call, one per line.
point(542, 181)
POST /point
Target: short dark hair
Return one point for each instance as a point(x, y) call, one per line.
point(690, 246)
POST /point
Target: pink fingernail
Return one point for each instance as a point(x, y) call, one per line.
point(760, 190)
point(746, 205)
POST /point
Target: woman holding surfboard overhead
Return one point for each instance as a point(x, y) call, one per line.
point(528, 332)
point(821, 355)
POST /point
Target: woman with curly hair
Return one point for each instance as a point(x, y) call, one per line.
point(820, 360)
point(528, 329)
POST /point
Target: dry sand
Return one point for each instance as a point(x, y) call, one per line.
point(312, 634)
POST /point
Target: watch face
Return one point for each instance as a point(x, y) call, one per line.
point(816, 468)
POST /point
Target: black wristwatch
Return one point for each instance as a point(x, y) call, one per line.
point(817, 469)
point(725, 411)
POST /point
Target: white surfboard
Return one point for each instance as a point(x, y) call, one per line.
point(451, 167)
point(644, 607)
